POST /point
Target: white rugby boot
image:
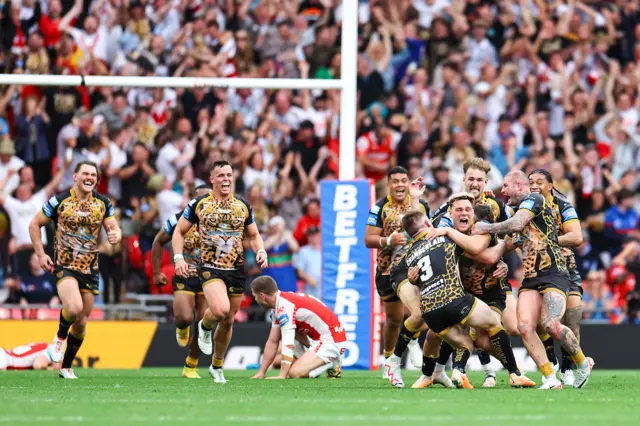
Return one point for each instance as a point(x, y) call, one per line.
point(217, 375)
point(415, 353)
point(67, 373)
point(583, 372)
point(204, 340)
point(567, 378)
point(55, 351)
point(550, 382)
point(394, 372)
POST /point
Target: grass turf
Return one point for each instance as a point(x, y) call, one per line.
point(161, 396)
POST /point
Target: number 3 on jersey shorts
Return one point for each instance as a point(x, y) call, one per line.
point(385, 288)
point(327, 350)
point(458, 311)
point(87, 283)
point(234, 279)
point(186, 285)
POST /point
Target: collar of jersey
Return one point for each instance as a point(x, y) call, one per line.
point(407, 200)
point(73, 194)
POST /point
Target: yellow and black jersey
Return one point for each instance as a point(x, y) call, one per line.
point(541, 252)
point(565, 213)
point(477, 278)
point(387, 215)
point(439, 281)
point(78, 224)
point(191, 250)
point(501, 212)
point(221, 225)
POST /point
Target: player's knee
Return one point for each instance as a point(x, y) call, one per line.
point(553, 328)
point(220, 313)
point(526, 328)
point(73, 311)
point(183, 320)
point(511, 328)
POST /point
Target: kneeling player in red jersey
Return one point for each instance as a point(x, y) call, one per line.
point(32, 356)
point(302, 314)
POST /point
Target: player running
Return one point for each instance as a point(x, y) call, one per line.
point(78, 215)
point(32, 356)
point(187, 292)
point(222, 221)
point(542, 297)
point(447, 309)
point(384, 233)
point(303, 314)
point(570, 236)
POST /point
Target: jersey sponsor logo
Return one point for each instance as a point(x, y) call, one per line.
point(180, 286)
point(206, 275)
point(372, 220)
point(48, 210)
point(53, 201)
point(570, 214)
point(111, 211)
point(283, 319)
point(167, 228)
point(527, 204)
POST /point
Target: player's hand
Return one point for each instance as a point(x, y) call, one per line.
point(258, 376)
point(435, 233)
point(417, 187)
point(276, 378)
point(262, 260)
point(413, 275)
point(398, 239)
point(489, 193)
point(480, 228)
point(160, 279)
point(182, 269)
point(114, 236)
point(45, 263)
point(501, 270)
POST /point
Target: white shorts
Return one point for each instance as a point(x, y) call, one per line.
point(327, 350)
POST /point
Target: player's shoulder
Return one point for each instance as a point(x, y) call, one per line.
point(102, 198)
point(494, 200)
point(442, 209)
point(243, 202)
point(197, 200)
point(443, 220)
point(425, 206)
point(382, 202)
point(566, 209)
point(58, 198)
point(531, 200)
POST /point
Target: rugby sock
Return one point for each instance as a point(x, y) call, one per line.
point(73, 346)
point(546, 369)
point(387, 354)
point(483, 356)
point(461, 358)
point(567, 363)
point(578, 358)
point(204, 327)
point(407, 334)
point(445, 352)
point(428, 365)
point(502, 348)
point(217, 362)
point(547, 341)
point(65, 324)
point(191, 362)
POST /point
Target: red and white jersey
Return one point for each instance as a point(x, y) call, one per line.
point(307, 315)
point(23, 357)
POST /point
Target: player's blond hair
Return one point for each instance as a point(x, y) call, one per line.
point(478, 164)
point(461, 196)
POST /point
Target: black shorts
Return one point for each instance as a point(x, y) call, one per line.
point(385, 288)
point(87, 283)
point(234, 279)
point(398, 276)
point(506, 286)
point(186, 285)
point(576, 283)
point(496, 301)
point(545, 282)
point(440, 320)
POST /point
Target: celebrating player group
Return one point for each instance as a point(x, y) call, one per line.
point(447, 270)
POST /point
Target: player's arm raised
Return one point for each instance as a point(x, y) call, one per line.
point(39, 220)
point(177, 243)
point(516, 223)
point(270, 349)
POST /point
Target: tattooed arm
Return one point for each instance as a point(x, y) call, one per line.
point(516, 223)
point(572, 236)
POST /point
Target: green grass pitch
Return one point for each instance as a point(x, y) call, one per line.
point(162, 397)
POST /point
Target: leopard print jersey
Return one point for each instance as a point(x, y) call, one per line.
point(477, 278)
point(564, 213)
point(191, 249)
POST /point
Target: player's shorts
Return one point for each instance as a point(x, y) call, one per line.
point(545, 282)
point(496, 301)
point(87, 283)
point(327, 350)
point(399, 277)
point(234, 279)
point(186, 285)
point(458, 311)
point(506, 286)
point(576, 283)
point(385, 288)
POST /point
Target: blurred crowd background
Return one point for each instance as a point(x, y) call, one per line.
point(522, 83)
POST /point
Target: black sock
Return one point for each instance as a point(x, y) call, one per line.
point(204, 327)
point(502, 348)
point(551, 353)
point(428, 365)
point(63, 326)
point(567, 362)
point(73, 346)
point(461, 358)
point(483, 356)
point(445, 352)
point(405, 337)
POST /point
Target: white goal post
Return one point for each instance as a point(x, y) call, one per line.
point(346, 84)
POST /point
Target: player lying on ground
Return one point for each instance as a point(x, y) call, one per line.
point(542, 297)
point(570, 236)
point(297, 312)
point(223, 222)
point(32, 356)
point(78, 216)
point(447, 309)
point(187, 292)
point(384, 233)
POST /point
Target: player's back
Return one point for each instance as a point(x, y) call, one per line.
point(23, 357)
point(310, 316)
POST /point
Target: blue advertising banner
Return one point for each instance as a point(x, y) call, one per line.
point(347, 266)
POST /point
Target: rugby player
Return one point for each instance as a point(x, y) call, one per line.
point(542, 297)
point(570, 236)
point(32, 356)
point(78, 215)
point(384, 233)
point(299, 313)
point(187, 292)
point(432, 261)
point(224, 221)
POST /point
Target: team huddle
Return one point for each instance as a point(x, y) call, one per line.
point(445, 269)
point(458, 289)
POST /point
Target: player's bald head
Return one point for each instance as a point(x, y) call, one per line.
point(517, 176)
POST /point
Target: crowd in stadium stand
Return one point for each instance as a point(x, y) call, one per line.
point(522, 83)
